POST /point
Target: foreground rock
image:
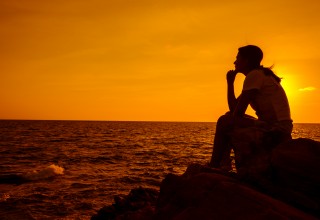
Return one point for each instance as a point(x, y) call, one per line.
point(289, 192)
point(138, 205)
point(296, 166)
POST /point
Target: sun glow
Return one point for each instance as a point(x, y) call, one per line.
point(288, 81)
point(301, 97)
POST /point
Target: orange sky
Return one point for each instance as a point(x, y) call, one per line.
point(149, 60)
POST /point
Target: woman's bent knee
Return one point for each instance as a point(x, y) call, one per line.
point(224, 120)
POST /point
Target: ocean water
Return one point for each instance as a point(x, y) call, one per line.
point(74, 168)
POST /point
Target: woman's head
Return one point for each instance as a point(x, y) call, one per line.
point(249, 57)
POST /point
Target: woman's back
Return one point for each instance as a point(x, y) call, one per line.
point(270, 103)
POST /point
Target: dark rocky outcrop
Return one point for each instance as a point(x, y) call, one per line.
point(13, 179)
point(287, 190)
point(204, 194)
point(295, 168)
point(138, 205)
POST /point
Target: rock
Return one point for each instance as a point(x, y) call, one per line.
point(209, 195)
point(288, 190)
point(296, 166)
point(13, 179)
point(139, 204)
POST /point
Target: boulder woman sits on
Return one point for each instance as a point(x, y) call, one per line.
point(251, 138)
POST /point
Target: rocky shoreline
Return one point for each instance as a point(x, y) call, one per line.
point(289, 191)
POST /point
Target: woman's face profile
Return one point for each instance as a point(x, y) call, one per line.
point(240, 63)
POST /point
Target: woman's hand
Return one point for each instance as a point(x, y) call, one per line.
point(231, 75)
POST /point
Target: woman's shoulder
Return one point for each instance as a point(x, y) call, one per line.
point(256, 73)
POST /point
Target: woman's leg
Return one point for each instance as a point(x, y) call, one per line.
point(224, 128)
point(221, 146)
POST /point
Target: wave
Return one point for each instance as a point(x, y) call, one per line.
point(45, 173)
point(48, 172)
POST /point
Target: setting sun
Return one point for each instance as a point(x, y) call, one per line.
point(288, 81)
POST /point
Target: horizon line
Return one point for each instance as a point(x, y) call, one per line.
point(92, 120)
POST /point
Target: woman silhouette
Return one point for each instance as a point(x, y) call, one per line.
point(263, 91)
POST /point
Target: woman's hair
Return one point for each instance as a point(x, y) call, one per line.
point(255, 55)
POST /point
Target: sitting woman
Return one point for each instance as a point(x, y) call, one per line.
point(263, 91)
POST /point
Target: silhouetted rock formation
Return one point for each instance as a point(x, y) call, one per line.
point(13, 179)
point(138, 205)
point(288, 191)
point(295, 167)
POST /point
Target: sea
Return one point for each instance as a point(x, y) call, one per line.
point(71, 169)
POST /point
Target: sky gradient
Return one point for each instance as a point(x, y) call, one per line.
point(150, 60)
